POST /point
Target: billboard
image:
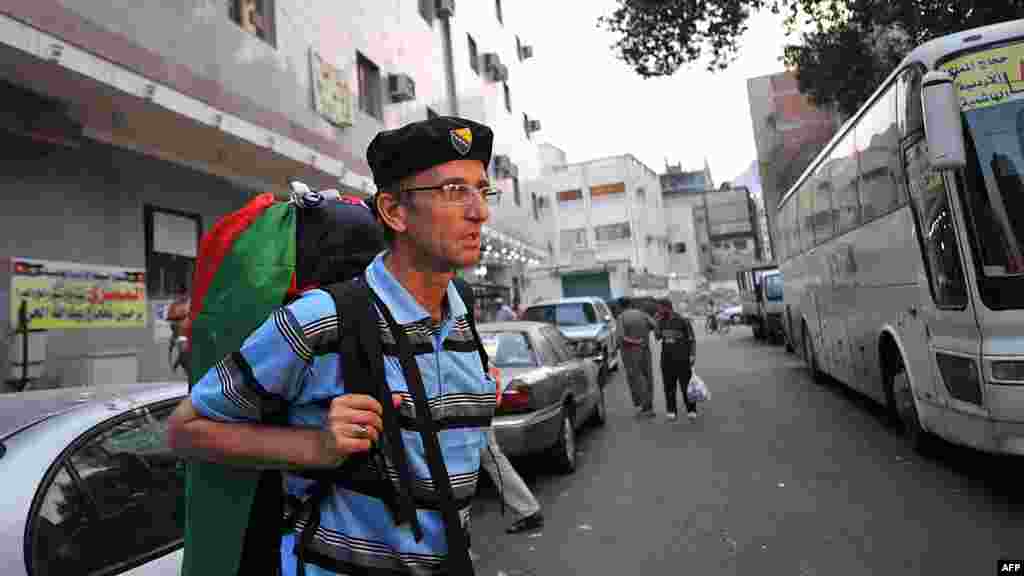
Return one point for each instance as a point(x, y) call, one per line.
point(63, 295)
point(332, 96)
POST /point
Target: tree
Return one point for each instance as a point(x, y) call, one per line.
point(849, 48)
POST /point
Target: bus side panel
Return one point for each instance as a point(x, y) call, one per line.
point(886, 260)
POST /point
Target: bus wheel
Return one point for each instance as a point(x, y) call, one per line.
point(918, 438)
point(810, 357)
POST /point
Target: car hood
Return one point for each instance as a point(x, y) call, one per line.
point(581, 332)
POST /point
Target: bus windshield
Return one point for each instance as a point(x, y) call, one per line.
point(994, 118)
point(991, 91)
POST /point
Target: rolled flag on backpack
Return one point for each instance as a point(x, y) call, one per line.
point(251, 262)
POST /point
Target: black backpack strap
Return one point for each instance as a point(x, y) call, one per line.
point(458, 562)
point(469, 299)
point(362, 360)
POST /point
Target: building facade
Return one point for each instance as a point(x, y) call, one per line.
point(126, 138)
point(789, 132)
point(607, 229)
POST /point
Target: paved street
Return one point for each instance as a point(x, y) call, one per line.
point(777, 476)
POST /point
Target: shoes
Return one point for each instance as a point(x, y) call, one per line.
point(671, 416)
point(531, 522)
point(648, 413)
point(692, 415)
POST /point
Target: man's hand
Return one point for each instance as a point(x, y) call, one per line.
point(353, 425)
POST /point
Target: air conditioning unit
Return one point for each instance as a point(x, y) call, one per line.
point(532, 126)
point(401, 87)
point(502, 166)
point(525, 52)
point(445, 8)
point(500, 73)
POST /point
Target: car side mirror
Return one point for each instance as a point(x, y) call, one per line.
point(942, 125)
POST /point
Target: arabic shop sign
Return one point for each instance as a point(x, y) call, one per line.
point(62, 295)
point(989, 77)
point(332, 96)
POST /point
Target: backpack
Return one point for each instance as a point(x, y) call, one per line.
point(251, 262)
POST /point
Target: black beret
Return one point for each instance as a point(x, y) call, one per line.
point(415, 147)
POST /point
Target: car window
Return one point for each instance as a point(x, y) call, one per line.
point(558, 344)
point(509, 349)
point(546, 350)
point(565, 314)
point(124, 482)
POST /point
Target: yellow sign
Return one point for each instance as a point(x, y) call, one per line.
point(988, 77)
point(332, 97)
point(63, 295)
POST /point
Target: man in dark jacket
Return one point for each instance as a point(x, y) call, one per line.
point(678, 353)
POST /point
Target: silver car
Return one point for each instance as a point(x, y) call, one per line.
point(582, 318)
point(551, 388)
point(90, 485)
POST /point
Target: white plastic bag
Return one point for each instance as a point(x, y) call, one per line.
point(696, 390)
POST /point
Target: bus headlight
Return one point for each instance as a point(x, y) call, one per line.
point(1008, 371)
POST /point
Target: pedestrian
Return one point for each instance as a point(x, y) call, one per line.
point(636, 327)
point(505, 312)
point(514, 492)
point(432, 199)
point(180, 318)
point(678, 354)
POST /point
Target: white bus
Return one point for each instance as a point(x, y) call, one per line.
point(902, 244)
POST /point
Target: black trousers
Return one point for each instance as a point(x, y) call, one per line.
point(676, 371)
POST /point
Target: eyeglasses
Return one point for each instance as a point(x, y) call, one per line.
point(462, 194)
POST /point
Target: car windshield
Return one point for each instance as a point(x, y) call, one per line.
point(565, 314)
point(773, 287)
point(509, 349)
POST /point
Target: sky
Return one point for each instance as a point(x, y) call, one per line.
point(592, 105)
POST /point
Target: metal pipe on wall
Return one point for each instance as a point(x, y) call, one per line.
point(449, 65)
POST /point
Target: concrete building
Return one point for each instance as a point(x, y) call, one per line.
point(681, 195)
point(129, 129)
point(607, 226)
point(751, 178)
point(788, 131)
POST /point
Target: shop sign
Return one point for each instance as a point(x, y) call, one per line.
point(64, 295)
point(332, 95)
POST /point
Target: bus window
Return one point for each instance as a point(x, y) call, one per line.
point(806, 211)
point(910, 116)
point(878, 142)
point(941, 253)
point(844, 178)
point(824, 226)
point(773, 288)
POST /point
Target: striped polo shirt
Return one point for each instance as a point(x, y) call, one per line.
point(293, 355)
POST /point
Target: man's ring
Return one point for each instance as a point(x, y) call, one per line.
point(362, 431)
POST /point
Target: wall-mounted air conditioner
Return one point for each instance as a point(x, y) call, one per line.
point(445, 8)
point(401, 87)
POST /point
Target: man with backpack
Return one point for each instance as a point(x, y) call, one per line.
point(376, 483)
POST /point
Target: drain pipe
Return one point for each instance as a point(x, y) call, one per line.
point(449, 64)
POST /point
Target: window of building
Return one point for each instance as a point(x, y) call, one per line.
point(607, 190)
point(573, 239)
point(536, 207)
point(515, 191)
point(474, 57)
point(570, 195)
point(255, 17)
point(370, 90)
point(641, 195)
point(612, 232)
point(740, 244)
point(172, 243)
point(679, 248)
point(431, 114)
point(427, 10)
point(497, 12)
point(122, 480)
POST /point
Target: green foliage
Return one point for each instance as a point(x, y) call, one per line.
point(845, 48)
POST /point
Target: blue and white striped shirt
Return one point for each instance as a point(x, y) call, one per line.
point(293, 356)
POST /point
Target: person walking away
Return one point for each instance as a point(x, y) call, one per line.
point(433, 196)
point(179, 315)
point(678, 354)
point(505, 312)
point(636, 327)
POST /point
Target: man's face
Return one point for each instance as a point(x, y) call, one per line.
point(447, 233)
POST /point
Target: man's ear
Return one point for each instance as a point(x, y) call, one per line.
point(392, 212)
